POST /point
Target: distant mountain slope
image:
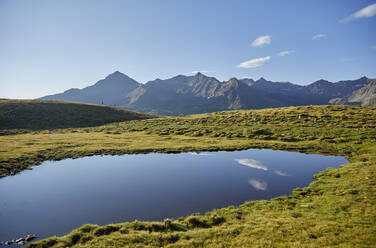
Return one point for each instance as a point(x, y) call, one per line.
point(162, 96)
point(322, 91)
point(195, 94)
point(366, 95)
point(41, 114)
point(111, 91)
point(183, 95)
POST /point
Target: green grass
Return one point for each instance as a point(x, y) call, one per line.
point(337, 210)
point(43, 114)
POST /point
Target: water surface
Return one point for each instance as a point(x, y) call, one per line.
point(56, 197)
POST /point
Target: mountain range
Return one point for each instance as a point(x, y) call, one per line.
point(183, 95)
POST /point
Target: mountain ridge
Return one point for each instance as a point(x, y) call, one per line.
point(181, 95)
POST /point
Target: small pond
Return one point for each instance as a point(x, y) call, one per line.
point(57, 197)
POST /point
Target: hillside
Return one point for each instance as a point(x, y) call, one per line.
point(182, 95)
point(337, 210)
point(109, 91)
point(43, 114)
point(366, 95)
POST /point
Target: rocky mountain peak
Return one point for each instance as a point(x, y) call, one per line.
point(261, 80)
point(200, 75)
point(116, 74)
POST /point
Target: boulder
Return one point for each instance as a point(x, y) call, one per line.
point(20, 239)
point(9, 242)
point(30, 237)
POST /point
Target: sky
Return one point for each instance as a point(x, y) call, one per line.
point(48, 46)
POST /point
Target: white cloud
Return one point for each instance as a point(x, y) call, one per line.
point(260, 185)
point(281, 173)
point(318, 36)
point(201, 71)
point(199, 153)
point(251, 163)
point(261, 41)
point(366, 12)
point(284, 53)
point(253, 63)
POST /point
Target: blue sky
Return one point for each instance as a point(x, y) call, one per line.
point(50, 46)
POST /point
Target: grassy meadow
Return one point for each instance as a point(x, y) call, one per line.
point(336, 210)
point(46, 114)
